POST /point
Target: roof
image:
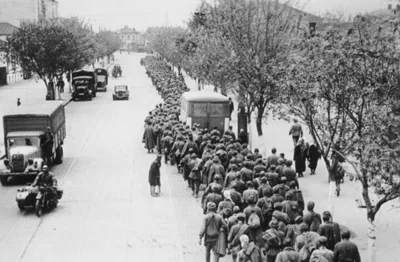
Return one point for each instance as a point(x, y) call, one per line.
point(204, 97)
point(25, 133)
point(127, 30)
point(7, 29)
point(45, 108)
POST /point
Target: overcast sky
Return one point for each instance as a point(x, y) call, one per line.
point(114, 14)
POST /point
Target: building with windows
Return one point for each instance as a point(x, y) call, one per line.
point(131, 39)
point(9, 73)
point(16, 11)
point(12, 13)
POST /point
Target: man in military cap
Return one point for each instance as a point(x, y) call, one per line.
point(211, 227)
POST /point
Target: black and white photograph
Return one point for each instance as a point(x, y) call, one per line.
point(199, 130)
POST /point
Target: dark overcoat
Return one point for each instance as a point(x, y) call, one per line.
point(154, 173)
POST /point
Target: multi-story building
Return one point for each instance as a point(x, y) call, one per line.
point(12, 13)
point(131, 39)
point(9, 73)
point(16, 11)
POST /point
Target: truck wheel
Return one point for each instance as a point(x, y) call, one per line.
point(38, 208)
point(59, 155)
point(4, 180)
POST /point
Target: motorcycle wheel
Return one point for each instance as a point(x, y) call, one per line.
point(38, 208)
point(21, 207)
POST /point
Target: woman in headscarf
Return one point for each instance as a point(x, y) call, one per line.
point(300, 154)
point(154, 176)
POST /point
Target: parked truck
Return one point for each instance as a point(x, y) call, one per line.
point(23, 136)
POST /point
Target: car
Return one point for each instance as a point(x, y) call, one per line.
point(121, 92)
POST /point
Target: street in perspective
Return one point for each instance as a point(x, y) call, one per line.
point(196, 130)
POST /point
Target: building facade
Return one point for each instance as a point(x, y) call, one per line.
point(131, 39)
point(9, 73)
point(12, 13)
point(16, 11)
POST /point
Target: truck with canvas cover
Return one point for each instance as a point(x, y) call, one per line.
point(84, 83)
point(24, 131)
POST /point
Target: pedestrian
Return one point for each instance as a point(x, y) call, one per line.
point(154, 177)
point(273, 158)
point(18, 101)
point(337, 172)
point(288, 253)
point(322, 251)
point(249, 252)
point(296, 131)
point(326, 229)
point(274, 240)
point(312, 218)
point(306, 242)
point(242, 136)
point(195, 174)
point(300, 157)
point(241, 228)
point(60, 84)
point(346, 250)
point(313, 155)
point(231, 108)
point(210, 230)
point(149, 138)
point(46, 143)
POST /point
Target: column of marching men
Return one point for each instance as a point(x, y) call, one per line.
point(253, 206)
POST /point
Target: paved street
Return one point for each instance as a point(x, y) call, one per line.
point(107, 214)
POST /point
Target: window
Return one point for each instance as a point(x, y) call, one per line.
point(200, 109)
point(217, 109)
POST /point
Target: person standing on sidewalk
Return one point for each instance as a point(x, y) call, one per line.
point(154, 176)
point(211, 227)
point(18, 101)
point(296, 131)
point(231, 108)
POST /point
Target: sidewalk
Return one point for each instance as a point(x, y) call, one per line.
point(30, 92)
point(316, 188)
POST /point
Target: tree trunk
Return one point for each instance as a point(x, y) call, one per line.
point(332, 187)
point(50, 91)
point(70, 81)
point(260, 114)
point(371, 241)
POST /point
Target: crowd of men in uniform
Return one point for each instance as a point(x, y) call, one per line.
point(254, 208)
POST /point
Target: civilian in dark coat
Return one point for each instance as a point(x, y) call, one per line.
point(346, 250)
point(313, 155)
point(154, 176)
point(149, 138)
point(300, 153)
point(231, 108)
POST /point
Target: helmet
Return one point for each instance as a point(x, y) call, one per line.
point(45, 168)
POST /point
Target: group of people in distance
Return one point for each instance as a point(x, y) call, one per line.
point(253, 206)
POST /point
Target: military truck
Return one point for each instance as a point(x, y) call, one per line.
point(23, 134)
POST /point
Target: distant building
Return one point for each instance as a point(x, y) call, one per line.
point(9, 73)
point(12, 13)
point(131, 39)
point(16, 11)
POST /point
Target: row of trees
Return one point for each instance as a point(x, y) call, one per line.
point(50, 48)
point(343, 81)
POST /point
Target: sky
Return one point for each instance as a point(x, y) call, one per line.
point(140, 14)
